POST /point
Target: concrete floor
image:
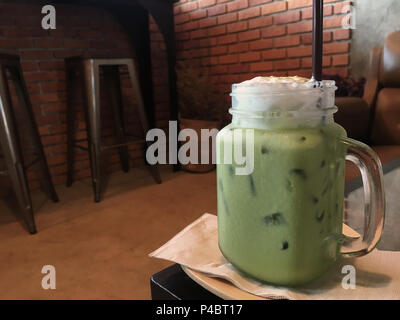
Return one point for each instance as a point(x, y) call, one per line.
point(100, 250)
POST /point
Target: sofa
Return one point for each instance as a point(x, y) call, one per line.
point(375, 118)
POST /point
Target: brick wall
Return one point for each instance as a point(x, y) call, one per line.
point(239, 39)
point(233, 40)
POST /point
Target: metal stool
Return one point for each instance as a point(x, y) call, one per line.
point(86, 73)
point(9, 140)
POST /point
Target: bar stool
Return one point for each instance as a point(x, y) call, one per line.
point(10, 142)
point(86, 73)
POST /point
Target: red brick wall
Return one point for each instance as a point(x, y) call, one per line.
point(239, 39)
point(233, 39)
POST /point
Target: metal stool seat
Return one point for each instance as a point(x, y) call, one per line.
point(86, 73)
point(10, 142)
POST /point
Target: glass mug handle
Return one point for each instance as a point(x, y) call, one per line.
point(371, 173)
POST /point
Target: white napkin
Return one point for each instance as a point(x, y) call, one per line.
point(196, 247)
point(355, 206)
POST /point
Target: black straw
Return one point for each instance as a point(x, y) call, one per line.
point(317, 40)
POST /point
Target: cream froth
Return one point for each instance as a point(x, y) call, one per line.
point(291, 99)
point(272, 79)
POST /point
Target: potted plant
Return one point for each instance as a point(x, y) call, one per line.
point(200, 107)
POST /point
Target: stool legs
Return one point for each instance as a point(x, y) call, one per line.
point(92, 85)
point(12, 153)
point(89, 71)
point(113, 85)
point(70, 82)
point(86, 75)
point(142, 114)
point(22, 93)
point(76, 70)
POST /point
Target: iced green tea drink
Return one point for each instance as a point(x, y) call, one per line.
point(281, 221)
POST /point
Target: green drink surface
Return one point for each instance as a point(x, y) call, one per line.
point(281, 223)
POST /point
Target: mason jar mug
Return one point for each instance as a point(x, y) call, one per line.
point(280, 182)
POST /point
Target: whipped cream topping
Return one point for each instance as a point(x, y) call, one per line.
point(290, 99)
point(272, 79)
